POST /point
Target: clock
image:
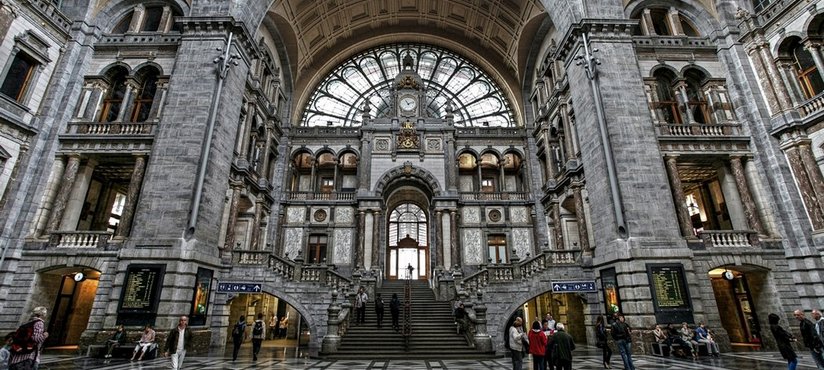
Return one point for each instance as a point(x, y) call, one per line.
point(407, 104)
point(79, 276)
point(728, 275)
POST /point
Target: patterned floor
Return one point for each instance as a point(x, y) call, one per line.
point(283, 359)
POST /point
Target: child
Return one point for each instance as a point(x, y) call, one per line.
point(4, 352)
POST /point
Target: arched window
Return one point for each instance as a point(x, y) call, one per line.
point(408, 241)
point(696, 101)
point(759, 5)
point(113, 102)
point(476, 99)
point(808, 75)
point(153, 18)
point(144, 97)
point(667, 105)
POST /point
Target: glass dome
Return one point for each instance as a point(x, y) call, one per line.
point(476, 100)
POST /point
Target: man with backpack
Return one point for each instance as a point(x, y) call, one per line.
point(238, 332)
point(258, 333)
point(28, 341)
point(379, 309)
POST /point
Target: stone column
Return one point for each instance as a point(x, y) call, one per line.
point(772, 72)
point(761, 73)
point(559, 232)
point(451, 163)
point(49, 196)
point(786, 68)
point(746, 197)
point(439, 239)
point(569, 148)
point(137, 18)
point(159, 99)
point(365, 164)
point(812, 170)
point(674, 20)
point(229, 240)
point(646, 22)
point(583, 234)
point(376, 215)
point(65, 189)
point(679, 197)
point(255, 242)
point(166, 19)
point(125, 225)
point(264, 169)
point(245, 135)
point(453, 236)
point(7, 16)
point(683, 99)
point(97, 91)
point(126, 104)
point(359, 262)
point(815, 51)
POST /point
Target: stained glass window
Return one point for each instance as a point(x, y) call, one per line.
point(476, 99)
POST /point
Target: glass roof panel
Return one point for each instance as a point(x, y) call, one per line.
point(476, 98)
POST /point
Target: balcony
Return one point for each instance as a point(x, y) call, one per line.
point(111, 128)
point(108, 137)
point(79, 239)
point(699, 129)
point(309, 195)
point(471, 196)
point(685, 42)
point(729, 239)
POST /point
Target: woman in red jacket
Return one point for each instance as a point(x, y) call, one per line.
point(537, 346)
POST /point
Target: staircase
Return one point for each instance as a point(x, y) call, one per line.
point(434, 335)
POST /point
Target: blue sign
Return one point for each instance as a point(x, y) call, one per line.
point(238, 288)
point(573, 286)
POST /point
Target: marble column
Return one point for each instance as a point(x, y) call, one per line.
point(761, 72)
point(559, 232)
point(65, 189)
point(815, 51)
point(805, 187)
point(674, 20)
point(159, 99)
point(49, 196)
point(787, 70)
point(139, 11)
point(453, 236)
point(234, 202)
point(750, 208)
point(451, 163)
point(125, 225)
point(376, 216)
point(583, 235)
point(569, 147)
point(647, 24)
point(255, 242)
point(781, 92)
point(679, 197)
point(359, 261)
point(438, 239)
point(813, 171)
point(126, 104)
point(365, 164)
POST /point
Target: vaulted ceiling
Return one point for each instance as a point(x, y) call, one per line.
point(319, 33)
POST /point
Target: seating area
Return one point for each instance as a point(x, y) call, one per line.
point(665, 349)
point(124, 350)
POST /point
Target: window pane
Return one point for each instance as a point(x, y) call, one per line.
point(151, 21)
point(17, 78)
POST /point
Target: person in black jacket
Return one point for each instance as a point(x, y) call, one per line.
point(178, 342)
point(395, 310)
point(117, 339)
point(622, 334)
point(601, 340)
point(238, 334)
point(808, 334)
point(784, 341)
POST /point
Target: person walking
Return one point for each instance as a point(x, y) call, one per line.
point(564, 345)
point(379, 309)
point(238, 334)
point(395, 310)
point(29, 358)
point(517, 339)
point(537, 346)
point(784, 341)
point(117, 339)
point(601, 341)
point(622, 335)
point(273, 326)
point(146, 343)
point(258, 333)
point(818, 328)
point(807, 329)
point(703, 336)
point(178, 342)
point(360, 306)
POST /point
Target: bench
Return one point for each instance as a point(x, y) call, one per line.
point(664, 349)
point(124, 350)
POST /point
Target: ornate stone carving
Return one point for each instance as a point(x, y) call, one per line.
point(494, 215)
point(472, 248)
point(382, 144)
point(471, 215)
point(293, 242)
point(519, 215)
point(344, 215)
point(522, 242)
point(320, 215)
point(295, 215)
point(343, 246)
point(433, 144)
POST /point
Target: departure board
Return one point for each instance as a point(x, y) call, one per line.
point(141, 284)
point(670, 293)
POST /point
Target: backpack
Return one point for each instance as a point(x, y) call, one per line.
point(506, 341)
point(379, 304)
point(23, 341)
point(257, 332)
point(238, 330)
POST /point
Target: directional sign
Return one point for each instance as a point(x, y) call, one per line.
point(573, 286)
point(238, 288)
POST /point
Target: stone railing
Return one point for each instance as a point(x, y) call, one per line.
point(729, 238)
point(309, 195)
point(111, 128)
point(493, 196)
point(316, 132)
point(282, 267)
point(812, 106)
point(517, 270)
point(698, 129)
point(48, 10)
point(772, 11)
point(250, 257)
point(79, 239)
point(672, 41)
point(293, 270)
point(491, 131)
point(563, 256)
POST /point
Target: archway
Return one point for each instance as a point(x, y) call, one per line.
point(68, 293)
point(740, 292)
point(284, 327)
point(407, 245)
point(566, 308)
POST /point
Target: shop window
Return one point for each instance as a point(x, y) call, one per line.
point(317, 249)
point(497, 248)
point(19, 77)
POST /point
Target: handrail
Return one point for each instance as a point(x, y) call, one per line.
point(79, 239)
point(111, 128)
point(494, 196)
point(311, 195)
point(729, 238)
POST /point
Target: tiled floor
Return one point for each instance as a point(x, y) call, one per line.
point(586, 358)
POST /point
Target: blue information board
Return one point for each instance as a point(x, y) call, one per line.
point(573, 286)
point(238, 288)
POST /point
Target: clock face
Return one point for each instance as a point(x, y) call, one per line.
point(729, 275)
point(79, 276)
point(408, 104)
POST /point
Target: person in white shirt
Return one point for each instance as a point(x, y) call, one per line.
point(178, 342)
point(517, 339)
point(360, 306)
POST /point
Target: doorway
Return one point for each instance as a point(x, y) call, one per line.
point(408, 253)
point(72, 291)
point(736, 302)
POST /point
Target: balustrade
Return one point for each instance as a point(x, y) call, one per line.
point(111, 128)
point(698, 129)
point(79, 239)
point(493, 196)
point(308, 195)
point(729, 238)
point(812, 106)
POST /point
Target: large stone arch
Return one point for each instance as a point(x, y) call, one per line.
point(305, 313)
point(406, 174)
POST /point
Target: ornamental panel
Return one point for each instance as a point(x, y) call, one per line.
point(343, 246)
point(472, 248)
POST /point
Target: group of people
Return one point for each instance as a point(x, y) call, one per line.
point(548, 342)
point(686, 340)
point(812, 335)
point(362, 300)
point(178, 342)
point(257, 333)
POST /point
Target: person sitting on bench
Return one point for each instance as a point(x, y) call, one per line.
point(117, 339)
point(146, 344)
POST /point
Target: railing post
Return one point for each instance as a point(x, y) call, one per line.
point(298, 274)
point(516, 268)
point(331, 341)
point(483, 342)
